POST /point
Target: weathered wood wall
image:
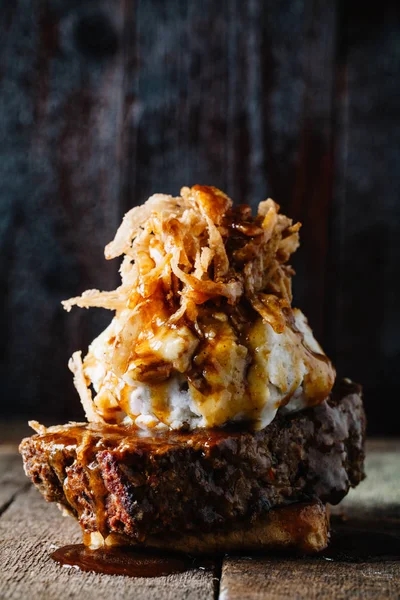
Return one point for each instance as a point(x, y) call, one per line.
point(105, 102)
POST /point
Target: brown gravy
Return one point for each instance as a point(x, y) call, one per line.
point(123, 561)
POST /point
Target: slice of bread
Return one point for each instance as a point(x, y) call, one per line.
point(301, 527)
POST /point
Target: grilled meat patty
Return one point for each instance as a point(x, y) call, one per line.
point(116, 479)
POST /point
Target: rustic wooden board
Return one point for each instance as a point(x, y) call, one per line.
point(379, 494)
point(12, 477)
point(363, 560)
point(256, 579)
point(30, 529)
point(11, 433)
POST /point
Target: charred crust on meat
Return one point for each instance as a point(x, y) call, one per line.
point(171, 482)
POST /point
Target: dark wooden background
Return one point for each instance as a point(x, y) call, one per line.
point(104, 103)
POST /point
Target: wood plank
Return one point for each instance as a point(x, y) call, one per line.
point(271, 579)
point(61, 92)
point(12, 477)
point(363, 559)
point(30, 529)
point(11, 433)
point(180, 88)
point(311, 192)
point(365, 250)
point(379, 494)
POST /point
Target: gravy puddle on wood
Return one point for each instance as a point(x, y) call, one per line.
point(126, 561)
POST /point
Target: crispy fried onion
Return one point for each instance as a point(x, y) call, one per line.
point(182, 242)
point(75, 365)
point(189, 250)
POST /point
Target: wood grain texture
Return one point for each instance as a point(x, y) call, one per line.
point(11, 433)
point(378, 496)
point(365, 247)
point(12, 477)
point(269, 579)
point(363, 559)
point(29, 530)
point(61, 118)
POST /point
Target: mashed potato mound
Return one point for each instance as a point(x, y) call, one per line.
point(204, 333)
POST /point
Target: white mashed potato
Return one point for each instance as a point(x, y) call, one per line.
point(275, 369)
point(203, 331)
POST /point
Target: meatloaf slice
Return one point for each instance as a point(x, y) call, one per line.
point(119, 480)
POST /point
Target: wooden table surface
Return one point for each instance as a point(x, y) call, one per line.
point(362, 562)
